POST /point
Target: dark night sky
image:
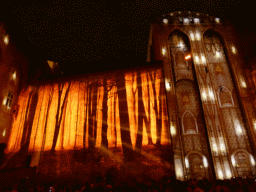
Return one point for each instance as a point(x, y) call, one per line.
point(82, 34)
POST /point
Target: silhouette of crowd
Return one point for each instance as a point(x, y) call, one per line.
point(167, 184)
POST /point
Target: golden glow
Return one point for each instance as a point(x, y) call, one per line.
point(165, 21)
point(4, 100)
point(173, 130)
point(187, 57)
point(217, 20)
point(211, 95)
point(4, 133)
point(179, 173)
point(168, 85)
point(75, 107)
point(220, 174)
point(203, 59)
point(181, 44)
point(50, 63)
point(222, 145)
point(214, 146)
point(233, 49)
point(6, 39)
point(217, 54)
point(163, 51)
point(252, 160)
point(254, 124)
point(14, 75)
point(205, 162)
point(196, 59)
point(243, 84)
point(192, 36)
point(186, 21)
point(228, 173)
point(233, 160)
point(204, 96)
point(239, 130)
point(196, 20)
point(186, 162)
point(198, 36)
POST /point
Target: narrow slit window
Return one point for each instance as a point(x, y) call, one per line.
point(9, 99)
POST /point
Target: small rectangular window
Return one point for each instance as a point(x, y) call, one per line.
point(8, 101)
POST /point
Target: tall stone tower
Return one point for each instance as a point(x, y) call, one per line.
point(210, 127)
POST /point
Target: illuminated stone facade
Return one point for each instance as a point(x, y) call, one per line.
point(13, 73)
point(206, 95)
point(188, 114)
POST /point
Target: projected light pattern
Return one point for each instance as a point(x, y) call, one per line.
point(86, 113)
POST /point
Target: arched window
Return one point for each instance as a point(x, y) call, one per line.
point(189, 124)
point(243, 164)
point(196, 166)
point(225, 97)
point(179, 41)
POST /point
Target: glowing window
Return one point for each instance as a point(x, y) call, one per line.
point(8, 100)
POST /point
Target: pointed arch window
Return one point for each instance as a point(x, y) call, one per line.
point(189, 124)
point(225, 97)
point(196, 168)
point(179, 41)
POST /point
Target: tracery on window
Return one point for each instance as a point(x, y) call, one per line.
point(179, 41)
point(225, 97)
point(189, 123)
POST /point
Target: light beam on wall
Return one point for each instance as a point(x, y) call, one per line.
point(205, 162)
point(173, 130)
point(163, 51)
point(186, 162)
point(192, 37)
point(6, 39)
point(198, 36)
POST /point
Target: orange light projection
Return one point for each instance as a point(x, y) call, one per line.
point(85, 113)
